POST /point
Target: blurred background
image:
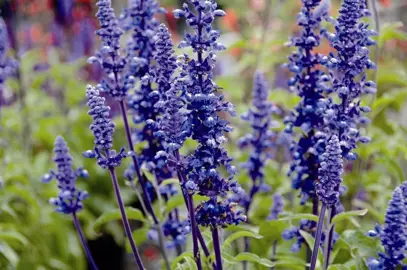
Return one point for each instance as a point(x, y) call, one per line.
point(52, 39)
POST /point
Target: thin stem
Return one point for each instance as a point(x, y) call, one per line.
point(191, 210)
point(318, 237)
point(135, 162)
point(83, 241)
point(216, 247)
point(198, 232)
point(125, 220)
point(315, 204)
point(147, 201)
point(329, 239)
point(162, 245)
point(274, 253)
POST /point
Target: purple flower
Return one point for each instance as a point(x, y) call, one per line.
point(8, 66)
point(102, 128)
point(175, 231)
point(117, 81)
point(204, 107)
point(347, 79)
point(63, 12)
point(70, 198)
point(262, 140)
point(295, 233)
point(308, 114)
point(218, 214)
point(277, 207)
point(139, 20)
point(330, 173)
point(393, 235)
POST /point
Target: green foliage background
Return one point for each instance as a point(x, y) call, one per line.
point(32, 236)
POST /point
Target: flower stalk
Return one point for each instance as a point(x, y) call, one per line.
point(83, 241)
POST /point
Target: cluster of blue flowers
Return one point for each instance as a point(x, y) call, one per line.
point(117, 81)
point(393, 234)
point(262, 140)
point(207, 127)
point(102, 128)
point(139, 19)
point(308, 114)
point(347, 79)
point(278, 206)
point(70, 199)
point(8, 65)
point(330, 173)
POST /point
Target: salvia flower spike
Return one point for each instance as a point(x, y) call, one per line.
point(116, 82)
point(330, 173)
point(261, 140)
point(69, 200)
point(393, 235)
point(308, 114)
point(103, 128)
point(347, 79)
point(207, 127)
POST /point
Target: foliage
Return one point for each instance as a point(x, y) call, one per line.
point(52, 102)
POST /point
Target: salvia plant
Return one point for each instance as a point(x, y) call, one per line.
point(212, 189)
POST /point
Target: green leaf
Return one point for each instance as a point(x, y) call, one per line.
point(272, 229)
point(237, 235)
point(361, 244)
point(13, 237)
point(338, 267)
point(191, 263)
point(391, 31)
point(174, 202)
point(172, 181)
point(10, 255)
point(301, 216)
point(309, 239)
point(132, 214)
point(347, 215)
point(250, 257)
point(180, 258)
point(140, 236)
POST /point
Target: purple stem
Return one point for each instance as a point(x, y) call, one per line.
point(315, 204)
point(330, 237)
point(135, 162)
point(83, 241)
point(194, 226)
point(318, 236)
point(216, 247)
point(142, 181)
point(125, 220)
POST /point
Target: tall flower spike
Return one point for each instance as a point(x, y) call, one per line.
point(330, 173)
point(308, 114)
point(203, 104)
point(70, 198)
point(140, 21)
point(102, 128)
point(262, 139)
point(393, 235)
point(117, 81)
point(348, 66)
point(208, 128)
point(8, 66)
point(278, 206)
